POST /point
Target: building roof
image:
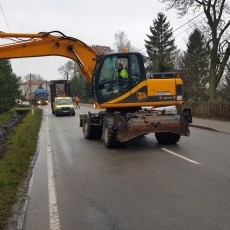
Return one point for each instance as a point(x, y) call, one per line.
point(32, 82)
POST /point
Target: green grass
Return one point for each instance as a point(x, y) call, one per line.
point(14, 166)
point(6, 116)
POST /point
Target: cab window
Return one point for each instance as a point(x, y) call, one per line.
point(135, 70)
point(113, 81)
point(109, 82)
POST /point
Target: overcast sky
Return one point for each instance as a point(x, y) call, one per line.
point(93, 21)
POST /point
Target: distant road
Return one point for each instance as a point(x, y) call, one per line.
point(78, 184)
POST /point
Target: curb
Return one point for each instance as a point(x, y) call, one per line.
point(208, 128)
point(204, 127)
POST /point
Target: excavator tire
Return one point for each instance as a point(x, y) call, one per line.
point(109, 136)
point(91, 131)
point(167, 138)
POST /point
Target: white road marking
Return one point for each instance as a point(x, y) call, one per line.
point(182, 157)
point(53, 208)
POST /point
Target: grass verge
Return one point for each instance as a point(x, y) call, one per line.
point(14, 166)
point(6, 116)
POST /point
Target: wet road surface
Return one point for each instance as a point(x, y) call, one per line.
point(79, 184)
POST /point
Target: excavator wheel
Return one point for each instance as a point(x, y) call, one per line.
point(167, 138)
point(92, 131)
point(109, 136)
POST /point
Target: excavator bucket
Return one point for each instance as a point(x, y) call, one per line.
point(143, 122)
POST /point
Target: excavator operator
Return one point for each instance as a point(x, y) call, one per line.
point(122, 76)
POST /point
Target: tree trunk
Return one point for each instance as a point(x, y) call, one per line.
point(212, 74)
point(212, 87)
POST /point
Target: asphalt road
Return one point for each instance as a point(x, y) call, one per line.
point(78, 184)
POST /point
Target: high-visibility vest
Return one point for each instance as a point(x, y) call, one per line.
point(124, 73)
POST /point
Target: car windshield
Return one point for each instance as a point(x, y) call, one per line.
point(64, 101)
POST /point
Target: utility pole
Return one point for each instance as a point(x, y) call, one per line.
point(30, 92)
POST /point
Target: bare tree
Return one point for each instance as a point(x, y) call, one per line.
point(121, 41)
point(36, 77)
point(215, 11)
point(67, 70)
point(102, 49)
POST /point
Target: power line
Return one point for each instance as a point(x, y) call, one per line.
point(182, 26)
point(23, 65)
point(188, 22)
point(4, 17)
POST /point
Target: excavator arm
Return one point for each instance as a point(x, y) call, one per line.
point(48, 44)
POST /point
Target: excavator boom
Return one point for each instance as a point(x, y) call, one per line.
point(48, 44)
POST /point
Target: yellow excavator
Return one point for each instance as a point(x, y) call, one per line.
point(123, 117)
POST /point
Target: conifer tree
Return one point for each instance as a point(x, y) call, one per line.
point(160, 45)
point(9, 86)
point(218, 25)
point(224, 88)
point(195, 68)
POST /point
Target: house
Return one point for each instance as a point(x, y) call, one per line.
point(28, 87)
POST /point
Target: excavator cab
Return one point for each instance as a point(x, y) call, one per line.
point(109, 85)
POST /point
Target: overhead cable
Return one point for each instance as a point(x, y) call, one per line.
point(5, 17)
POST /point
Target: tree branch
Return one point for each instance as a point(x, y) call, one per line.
point(224, 62)
point(223, 30)
point(221, 9)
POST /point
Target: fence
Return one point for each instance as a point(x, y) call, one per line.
point(209, 110)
